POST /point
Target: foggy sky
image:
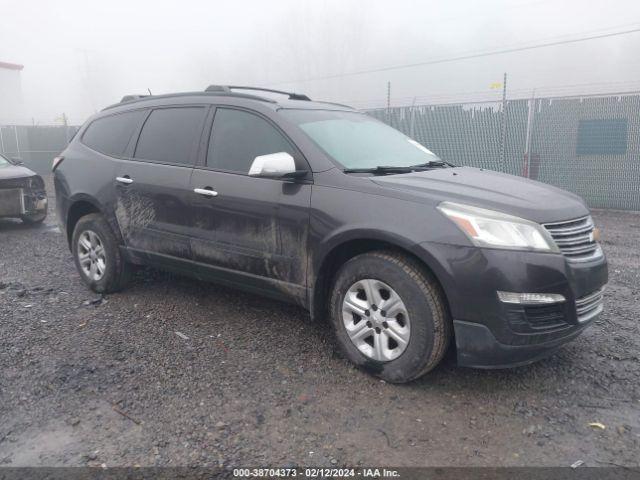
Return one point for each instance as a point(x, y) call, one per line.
point(80, 56)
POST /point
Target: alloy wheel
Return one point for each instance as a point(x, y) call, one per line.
point(91, 255)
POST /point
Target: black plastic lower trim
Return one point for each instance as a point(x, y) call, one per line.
point(477, 347)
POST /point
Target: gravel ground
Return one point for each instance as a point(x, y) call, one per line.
point(176, 372)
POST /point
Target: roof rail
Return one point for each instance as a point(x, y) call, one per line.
point(137, 98)
point(228, 88)
point(337, 104)
point(128, 98)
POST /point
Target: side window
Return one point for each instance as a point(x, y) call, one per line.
point(238, 137)
point(169, 134)
point(110, 135)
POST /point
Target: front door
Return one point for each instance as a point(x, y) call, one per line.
point(249, 230)
point(153, 190)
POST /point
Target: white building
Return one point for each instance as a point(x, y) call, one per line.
point(12, 110)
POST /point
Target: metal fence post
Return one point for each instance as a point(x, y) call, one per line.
point(503, 139)
point(15, 132)
point(413, 118)
point(389, 103)
point(531, 105)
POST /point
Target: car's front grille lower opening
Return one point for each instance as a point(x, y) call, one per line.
point(575, 238)
point(589, 306)
point(536, 318)
point(545, 317)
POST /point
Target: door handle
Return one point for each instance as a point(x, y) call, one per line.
point(126, 179)
point(207, 192)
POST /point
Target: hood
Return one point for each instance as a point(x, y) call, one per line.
point(518, 196)
point(15, 171)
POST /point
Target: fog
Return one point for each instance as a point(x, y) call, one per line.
point(80, 56)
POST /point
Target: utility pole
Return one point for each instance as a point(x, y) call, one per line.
point(88, 77)
point(503, 140)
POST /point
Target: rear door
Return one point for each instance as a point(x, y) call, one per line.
point(249, 230)
point(152, 185)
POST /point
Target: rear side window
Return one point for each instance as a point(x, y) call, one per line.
point(169, 135)
point(111, 135)
point(238, 137)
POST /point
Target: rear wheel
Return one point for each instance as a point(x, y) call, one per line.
point(390, 316)
point(97, 255)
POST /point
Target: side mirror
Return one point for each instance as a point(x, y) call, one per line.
point(275, 165)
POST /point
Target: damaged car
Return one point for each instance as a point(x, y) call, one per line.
point(318, 204)
point(22, 192)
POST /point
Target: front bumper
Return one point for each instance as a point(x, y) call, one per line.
point(477, 347)
point(18, 202)
point(492, 334)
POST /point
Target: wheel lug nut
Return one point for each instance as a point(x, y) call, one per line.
point(367, 313)
point(377, 329)
point(383, 313)
point(385, 324)
point(374, 307)
point(369, 324)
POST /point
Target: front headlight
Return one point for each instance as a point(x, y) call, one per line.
point(488, 228)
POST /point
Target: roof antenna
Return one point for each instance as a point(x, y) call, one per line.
point(149, 90)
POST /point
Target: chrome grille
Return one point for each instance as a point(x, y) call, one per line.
point(589, 306)
point(22, 182)
point(575, 238)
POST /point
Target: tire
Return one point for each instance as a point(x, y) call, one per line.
point(112, 272)
point(422, 324)
point(34, 219)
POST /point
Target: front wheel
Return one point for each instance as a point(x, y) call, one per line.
point(390, 316)
point(97, 255)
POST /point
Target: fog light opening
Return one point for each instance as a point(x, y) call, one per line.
point(530, 298)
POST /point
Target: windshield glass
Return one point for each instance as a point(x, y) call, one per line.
point(4, 162)
point(356, 140)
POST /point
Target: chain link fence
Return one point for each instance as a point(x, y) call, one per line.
point(35, 145)
point(589, 145)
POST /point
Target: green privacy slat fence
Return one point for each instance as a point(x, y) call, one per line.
point(589, 145)
point(35, 145)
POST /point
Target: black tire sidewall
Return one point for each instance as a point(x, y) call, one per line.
point(114, 262)
point(34, 219)
point(412, 361)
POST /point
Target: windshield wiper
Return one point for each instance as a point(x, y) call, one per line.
point(432, 163)
point(397, 169)
point(379, 169)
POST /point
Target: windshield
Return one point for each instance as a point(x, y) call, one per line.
point(4, 162)
point(356, 140)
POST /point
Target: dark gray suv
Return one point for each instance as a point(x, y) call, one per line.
point(321, 205)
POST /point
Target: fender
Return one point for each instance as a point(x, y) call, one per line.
point(323, 250)
point(346, 234)
point(97, 205)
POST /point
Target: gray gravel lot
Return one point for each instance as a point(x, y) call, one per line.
point(250, 381)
